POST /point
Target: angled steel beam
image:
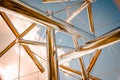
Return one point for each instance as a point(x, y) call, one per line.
point(11, 26)
point(90, 17)
point(15, 32)
point(76, 12)
point(93, 61)
point(13, 29)
point(27, 30)
point(53, 73)
point(98, 43)
point(68, 69)
point(22, 41)
point(35, 60)
point(84, 74)
point(70, 73)
point(51, 1)
point(9, 23)
point(28, 12)
point(8, 47)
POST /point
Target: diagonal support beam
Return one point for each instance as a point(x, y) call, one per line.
point(76, 12)
point(7, 48)
point(15, 32)
point(41, 17)
point(27, 30)
point(93, 61)
point(90, 17)
point(9, 23)
point(52, 1)
point(35, 60)
point(22, 41)
point(11, 26)
point(95, 44)
point(68, 69)
point(84, 74)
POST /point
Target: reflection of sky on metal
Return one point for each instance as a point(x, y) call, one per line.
point(106, 17)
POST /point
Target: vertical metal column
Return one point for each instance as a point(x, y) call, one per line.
point(52, 55)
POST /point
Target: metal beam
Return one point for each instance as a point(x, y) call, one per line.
point(95, 44)
point(51, 1)
point(9, 23)
point(7, 48)
point(22, 41)
point(13, 29)
point(27, 30)
point(90, 17)
point(11, 26)
point(76, 12)
point(28, 12)
point(35, 60)
point(84, 74)
point(93, 61)
point(53, 73)
point(15, 32)
point(68, 69)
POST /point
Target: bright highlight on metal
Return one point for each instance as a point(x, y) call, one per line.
point(76, 12)
point(42, 18)
point(52, 23)
point(51, 1)
point(15, 32)
point(98, 43)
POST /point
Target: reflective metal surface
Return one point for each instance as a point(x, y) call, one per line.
point(98, 43)
point(80, 9)
point(55, 63)
point(52, 55)
point(41, 17)
point(35, 60)
point(16, 33)
point(91, 22)
point(49, 1)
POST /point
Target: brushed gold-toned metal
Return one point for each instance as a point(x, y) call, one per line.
point(9, 23)
point(68, 69)
point(98, 43)
point(93, 61)
point(54, 23)
point(13, 29)
point(76, 12)
point(16, 33)
point(83, 71)
point(7, 48)
point(22, 41)
point(53, 73)
point(20, 9)
point(27, 30)
point(84, 74)
point(51, 1)
point(90, 17)
point(35, 60)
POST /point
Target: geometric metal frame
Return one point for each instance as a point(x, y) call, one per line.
point(92, 44)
